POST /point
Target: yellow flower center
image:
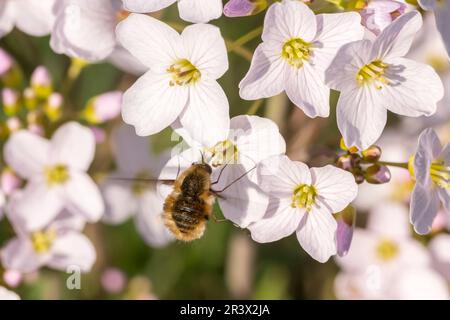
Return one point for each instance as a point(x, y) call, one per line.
point(57, 174)
point(139, 186)
point(440, 174)
point(43, 240)
point(387, 250)
point(224, 152)
point(183, 73)
point(304, 197)
point(296, 51)
point(373, 73)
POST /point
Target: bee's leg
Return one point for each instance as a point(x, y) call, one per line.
point(218, 220)
point(216, 192)
point(220, 174)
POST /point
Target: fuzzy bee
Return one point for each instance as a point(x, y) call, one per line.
point(189, 206)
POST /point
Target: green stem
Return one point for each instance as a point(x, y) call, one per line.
point(403, 165)
point(255, 107)
point(245, 38)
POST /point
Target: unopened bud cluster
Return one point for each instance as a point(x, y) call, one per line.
point(364, 165)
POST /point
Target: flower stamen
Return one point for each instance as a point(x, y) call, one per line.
point(57, 174)
point(440, 174)
point(304, 197)
point(42, 240)
point(224, 152)
point(183, 73)
point(387, 250)
point(296, 51)
point(373, 73)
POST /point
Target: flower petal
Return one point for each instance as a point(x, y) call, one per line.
point(151, 41)
point(317, 234)
point(265, 78)
point(18, 254)
point(279, 176)
point(206, 116)
point(414, 90)
point(7, 14)
point(83, 197)
point(84, 30)
point(336, 188)
point(306, 88)
point(396, 39)
point(144, 6)
point(198, 11)
point(26, 153)
point(281, 221)
point(149, 220)
point(35, 18)
point(424, 207)
point(287, 20)
point(72, 249)
point(205, 48)
point(390, 219)
point(37, 197)
point(360, 117)
point(428, 148)
point(73, 145)
point(333, 31)
point(442, 22)
point(120, 204)
point(151, 104)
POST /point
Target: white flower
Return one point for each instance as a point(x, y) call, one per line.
point(441, 10)
point(297, 48)
point(385, 262)
point(190, 10)
point(56, 174)
point(416, 283)
point(373, 77)
point(250, 140)
point(86, 30)
point(125, 199)
point(440, 252)
point(33, 17)
point(385, 243)
point(181, 80)
point(57, 245)
point(303, 200)
point(6, 294)
point(431, 167)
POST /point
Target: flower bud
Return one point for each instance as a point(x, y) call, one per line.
point(41, 82)
point(103, 107)
point(30, 99)
point(52, 108)
point(345, 225)
point(344, 147)
point(12, 278)
point(345, 162)
point(13, 124)
point(99, 134)
point(376, 174)
point(6, 62)
point(113, 281)
point(9, 181)
point(10, 99)
point(371, 154)
point(242, 8)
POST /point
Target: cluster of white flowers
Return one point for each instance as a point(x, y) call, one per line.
point(302, 54)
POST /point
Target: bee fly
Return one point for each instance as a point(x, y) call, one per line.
point(189, 206)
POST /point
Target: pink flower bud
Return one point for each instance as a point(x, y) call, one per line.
point(6, 62)
point(36, 129)
point(9, 181)
point(12, 278)
point(13, 124)
point(371, 154)
point(41, 82)
point(55, 100)
point(345, 225)
point(104, 107)
point(9, 97)
point(241, 8)
point(99, 134)
point(377, 174)
point(113, 281)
